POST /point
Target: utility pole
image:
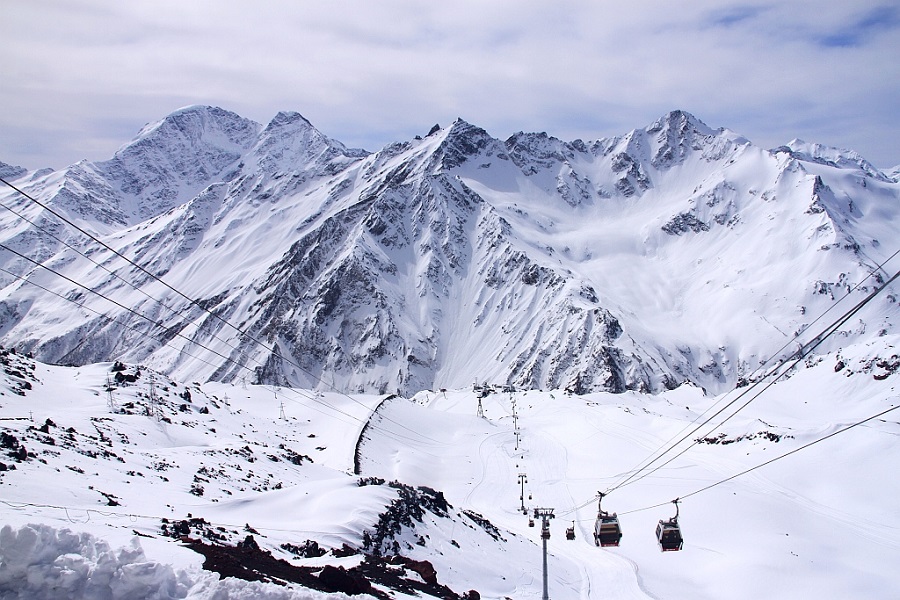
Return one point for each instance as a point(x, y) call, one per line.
point(110, 400)
point(545, 514)
point(517, 434)
point(522, 481)
point(154, 409)
point(480, 408)
point(281, 415)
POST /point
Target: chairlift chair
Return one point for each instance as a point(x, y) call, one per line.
point(668, 533)
point(607, 531)
point(570, 532)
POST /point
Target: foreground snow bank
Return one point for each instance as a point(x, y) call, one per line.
point(40, 562)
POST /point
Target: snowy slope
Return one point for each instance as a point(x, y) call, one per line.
point(673, 253)
point(128, 458)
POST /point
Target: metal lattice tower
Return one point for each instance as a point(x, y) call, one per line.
point(110, 399)
point(155, 409)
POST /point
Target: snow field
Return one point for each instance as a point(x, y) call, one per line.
point(815, 524)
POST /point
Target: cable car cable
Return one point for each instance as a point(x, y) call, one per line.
point(805, 350)
point(641, 466)
point(111, 272)
point(164, 342)
point(144, 333)
point(800, 354)
point(770, 461)
point(774, 369)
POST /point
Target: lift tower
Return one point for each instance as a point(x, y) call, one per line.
point(523, 479)
point(545, 514)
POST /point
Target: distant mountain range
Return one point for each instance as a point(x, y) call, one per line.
point(674, 253)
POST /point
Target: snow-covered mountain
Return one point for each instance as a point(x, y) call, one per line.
point(674, 253)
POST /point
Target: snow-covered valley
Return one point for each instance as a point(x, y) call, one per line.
point(164, 463)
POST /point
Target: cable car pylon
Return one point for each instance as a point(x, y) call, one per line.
point(544, 514)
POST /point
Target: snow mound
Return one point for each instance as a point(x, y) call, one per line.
point(39, 561)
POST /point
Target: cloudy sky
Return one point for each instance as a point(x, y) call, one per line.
point(81, 77)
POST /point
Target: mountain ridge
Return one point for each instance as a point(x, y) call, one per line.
point(618, 264)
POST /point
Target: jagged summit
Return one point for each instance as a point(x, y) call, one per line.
point(463, 141)
point(683, 122)
point(829, 156)
point(11, 171)
point(531, 151)
point(193, 127)
point(173, 159)
point(290, 124)
point(675, 253)
point(290, 143)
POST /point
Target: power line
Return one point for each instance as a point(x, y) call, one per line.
point(108, 270)
point(159, 339)
point(396, 435)
point(193, 302)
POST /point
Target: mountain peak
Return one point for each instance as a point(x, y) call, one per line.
point(196, 120)
point(290, 141)
point(830, 156)
point(463, 140)
point(678, 133)
point(457, 256)
point(171, 160)
point(289, 117)
point(11, 171)
point(682, 122)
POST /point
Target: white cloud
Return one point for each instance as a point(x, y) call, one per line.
point(367, 73)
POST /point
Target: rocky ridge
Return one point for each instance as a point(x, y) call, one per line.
point(674, 253)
